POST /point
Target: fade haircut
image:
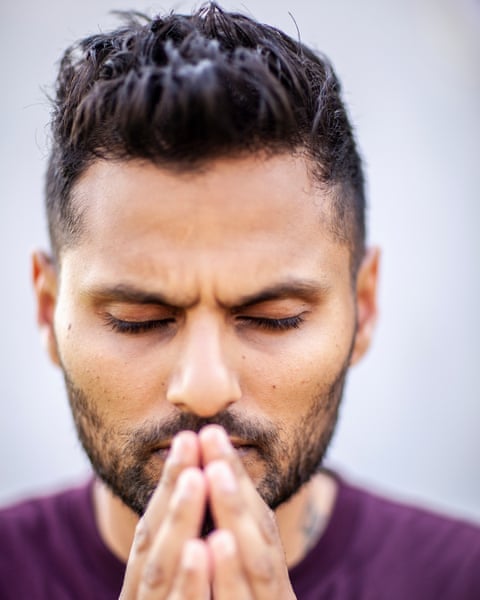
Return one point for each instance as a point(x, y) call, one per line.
point(182, 90)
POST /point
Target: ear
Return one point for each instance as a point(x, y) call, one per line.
point(45, 284)
point(366, 301)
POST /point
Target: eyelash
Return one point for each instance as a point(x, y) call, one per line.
point(274, 324)
point(135, 327)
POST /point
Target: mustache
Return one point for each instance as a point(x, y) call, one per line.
point(153, 435)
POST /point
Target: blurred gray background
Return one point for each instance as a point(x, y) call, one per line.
point(411, 74)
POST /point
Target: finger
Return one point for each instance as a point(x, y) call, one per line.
point(192, 581)
point(181, 522)
point(184, 453)
point(215, 445)
point(261, 556)
point(228, 582)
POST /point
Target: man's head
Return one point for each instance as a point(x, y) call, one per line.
point(205, 202)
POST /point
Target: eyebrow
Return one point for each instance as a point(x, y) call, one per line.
point(130, 294)
point(304, 289)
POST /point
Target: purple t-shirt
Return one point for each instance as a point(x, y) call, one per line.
point(372, 548)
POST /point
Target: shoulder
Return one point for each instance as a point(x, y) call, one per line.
point(50, 548)
point(375, 548)
point(39, 539)
point(406, 520)
point(436, 552)
point(38, 518)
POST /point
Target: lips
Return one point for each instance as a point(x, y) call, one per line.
point(243, 447)
point(237, 444)
point(244, 450)
point(162, 451)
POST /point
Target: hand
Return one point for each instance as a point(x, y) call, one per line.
point(165, 541)
point(246, 554)
point(241, 559)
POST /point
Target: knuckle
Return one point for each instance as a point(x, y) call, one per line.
point(233, 504)
point(176, 515)
point(262, 569)
point(154, 575)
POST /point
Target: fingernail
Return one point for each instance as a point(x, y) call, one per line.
point(186, 484)
point(181, 445)
point(220, 438)
point(175, 450)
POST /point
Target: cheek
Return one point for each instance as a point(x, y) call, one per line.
point(286, 382)
point(122, 382)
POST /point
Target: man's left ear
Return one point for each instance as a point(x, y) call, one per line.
point(45, 280)
point(366, 301)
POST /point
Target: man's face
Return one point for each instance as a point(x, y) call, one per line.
point(219, 296)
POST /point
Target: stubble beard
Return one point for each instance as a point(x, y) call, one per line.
point(123, 459)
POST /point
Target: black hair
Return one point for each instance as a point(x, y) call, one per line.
point(181, 90)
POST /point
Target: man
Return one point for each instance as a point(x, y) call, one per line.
point(208, 288)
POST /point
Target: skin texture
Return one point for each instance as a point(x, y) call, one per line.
point(206, 261)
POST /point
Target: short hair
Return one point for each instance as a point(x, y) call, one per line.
point(182, 90)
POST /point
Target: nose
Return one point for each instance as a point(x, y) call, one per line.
point(203, 382)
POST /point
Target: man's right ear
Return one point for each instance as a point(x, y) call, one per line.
point(45, 284)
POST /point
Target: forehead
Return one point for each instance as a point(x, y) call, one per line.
point(259, 191)
point(252, 214)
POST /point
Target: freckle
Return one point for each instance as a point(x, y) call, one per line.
point(243, 356)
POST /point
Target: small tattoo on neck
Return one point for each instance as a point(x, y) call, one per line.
point(312, 526)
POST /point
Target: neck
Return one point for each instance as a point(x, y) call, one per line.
point(301, 521)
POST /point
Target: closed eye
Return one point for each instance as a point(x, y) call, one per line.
point(272, 324)
point(265, 323)
point(133, 327)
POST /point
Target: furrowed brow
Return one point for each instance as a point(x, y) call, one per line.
point(128, 294)
point(302, 289)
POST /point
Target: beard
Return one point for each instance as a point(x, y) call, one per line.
point(126, 458)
